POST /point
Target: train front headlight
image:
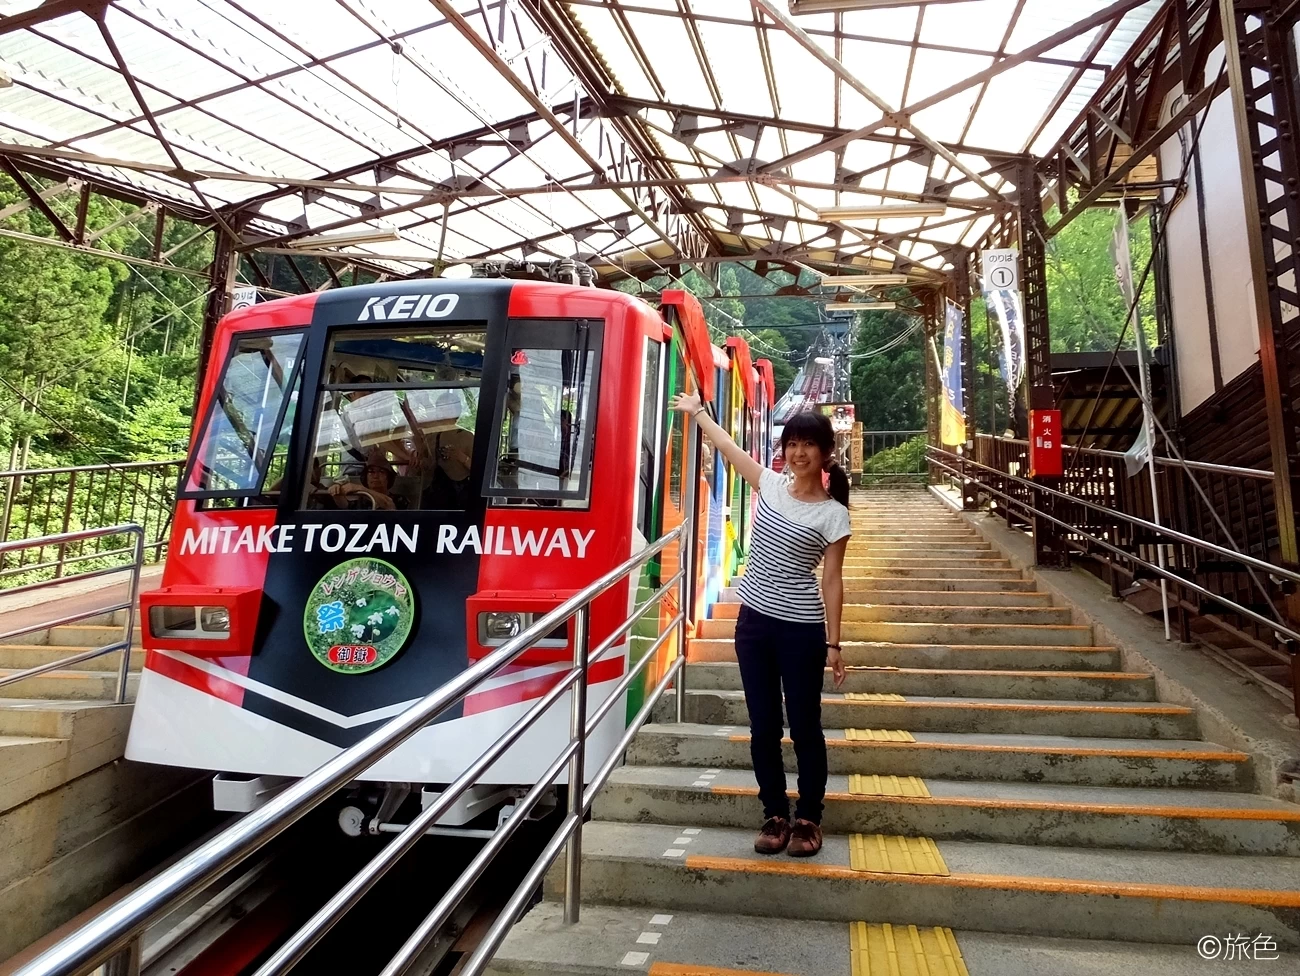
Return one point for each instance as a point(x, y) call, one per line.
point(498, 626)
point(495, 627)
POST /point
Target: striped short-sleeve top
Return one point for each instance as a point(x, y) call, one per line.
point(788, 541)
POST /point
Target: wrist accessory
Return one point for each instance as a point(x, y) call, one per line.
point(700, 410)
point(836, 646)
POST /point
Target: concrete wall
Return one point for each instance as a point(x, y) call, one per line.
point(1229, 256)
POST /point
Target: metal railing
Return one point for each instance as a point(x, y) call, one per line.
point(874, 442)
point(113, 937)
point(51, 502)
point(1236, 591)
point(128, 606)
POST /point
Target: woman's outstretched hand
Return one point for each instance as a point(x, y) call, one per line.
point(836, 661)
point(685, 402)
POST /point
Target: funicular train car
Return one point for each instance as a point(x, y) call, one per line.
point(388, 481)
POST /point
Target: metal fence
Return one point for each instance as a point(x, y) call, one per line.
point(892, 469)
point(115, 935)
point(1215, 547)
point(130, 560)
point(50, 502)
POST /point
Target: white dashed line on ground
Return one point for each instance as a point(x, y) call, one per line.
point(674, 852)
point(649, 938)
point(635, 959)
point(661, 919)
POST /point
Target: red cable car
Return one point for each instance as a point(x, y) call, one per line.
point(386, 483)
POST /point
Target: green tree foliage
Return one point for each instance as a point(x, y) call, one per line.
point(97, 358)
point(889, 387)
point(1086, 309)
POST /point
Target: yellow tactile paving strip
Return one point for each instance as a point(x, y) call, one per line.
point(903, 950)
point(872, 696)
point(892, 854)
point(873, 784)
point(879, 735)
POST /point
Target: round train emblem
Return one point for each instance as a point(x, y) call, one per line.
point(359, 616)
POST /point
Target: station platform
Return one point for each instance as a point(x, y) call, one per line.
point(1013, 791)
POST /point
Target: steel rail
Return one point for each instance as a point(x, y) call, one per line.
point(1195, 587)
point(120, 926)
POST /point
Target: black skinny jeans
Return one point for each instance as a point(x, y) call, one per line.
point(774, 654)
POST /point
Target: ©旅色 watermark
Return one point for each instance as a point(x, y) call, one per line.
point(1238, 948)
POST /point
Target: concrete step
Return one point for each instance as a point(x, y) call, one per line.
point(984, 583)
point(860, 589)
point(610, 940)
point(1196, 821)
point(52, 718)
point(70, 685)
point(963, 657)
point(1041, 891)
point(22, 656)
point(1033, 685)
point(957, 755)
point(948, 598)
point(914, 573)
point(916, 547)
point(958, 537)
point(939, 561)
point(931, 631)
point(89, 635)
point(915, 613)
point(995, 716)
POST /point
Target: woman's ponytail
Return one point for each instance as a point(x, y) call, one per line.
point(838, 486)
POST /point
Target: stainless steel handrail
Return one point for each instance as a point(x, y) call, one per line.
point(1258, 473)
point(114, 934)
point(1173, 534)
point(133, 595)
point(1276, 626)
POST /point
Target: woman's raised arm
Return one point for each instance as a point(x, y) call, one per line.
point(746, 466)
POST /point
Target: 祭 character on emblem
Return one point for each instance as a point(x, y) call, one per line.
point(368, 603)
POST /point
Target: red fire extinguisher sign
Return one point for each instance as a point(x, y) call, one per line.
point(1045, 444)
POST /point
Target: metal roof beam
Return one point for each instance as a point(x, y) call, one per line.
point(901, 117)
point(50, 10)
point(36, 199)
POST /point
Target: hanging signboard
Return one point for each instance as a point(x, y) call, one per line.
point(952, 427)
point(1000, 268)
point(242, 298)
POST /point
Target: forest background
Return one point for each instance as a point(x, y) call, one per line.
point(98, 358)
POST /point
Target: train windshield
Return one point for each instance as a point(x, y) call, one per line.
point(245, 443)
point(396, 421)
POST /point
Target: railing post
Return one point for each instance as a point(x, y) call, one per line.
point(578, 731)
point(126, 962)
point(133, 598)
point(67, 521)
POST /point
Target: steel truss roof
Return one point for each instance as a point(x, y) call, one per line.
point(639, 135)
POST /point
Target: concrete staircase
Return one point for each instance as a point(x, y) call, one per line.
point(76, 818)
point(1003, 800)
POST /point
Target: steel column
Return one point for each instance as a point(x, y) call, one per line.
point(1262, 79)
point(1049, 543)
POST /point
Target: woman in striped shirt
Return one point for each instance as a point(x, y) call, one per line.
point(789, 628)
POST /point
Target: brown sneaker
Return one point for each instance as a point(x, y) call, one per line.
point(773, 837)
point(805, 839)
